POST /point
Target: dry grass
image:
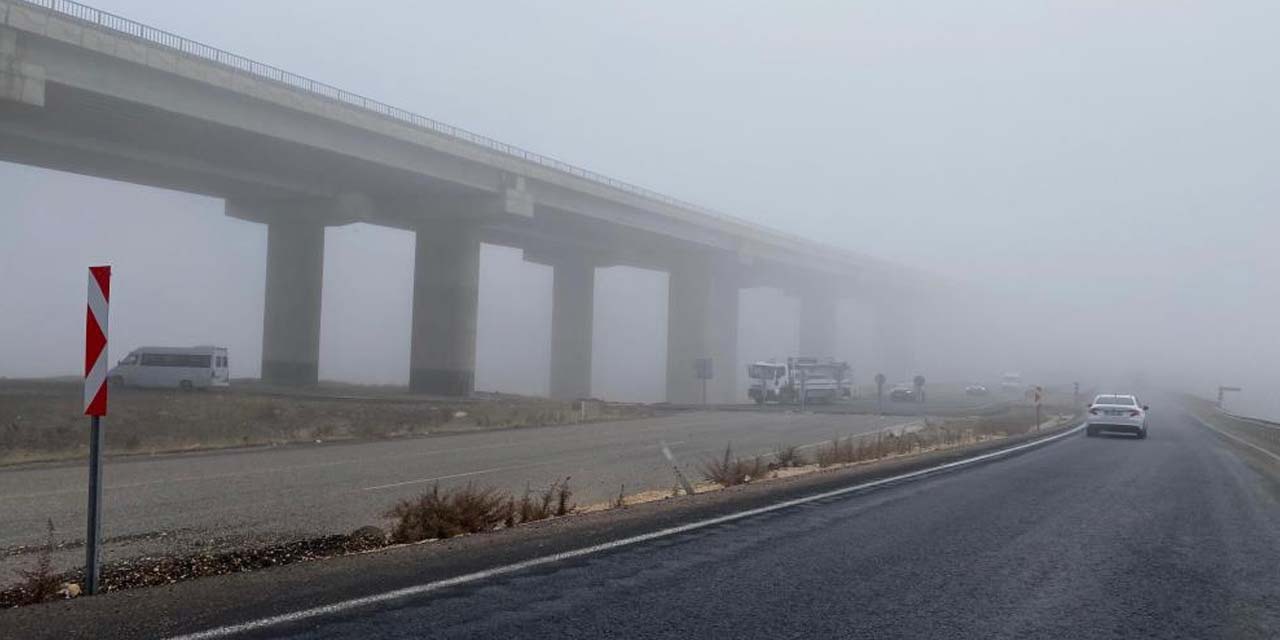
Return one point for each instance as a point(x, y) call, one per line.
point(444, 514)
point(41, 583)
point(43, 420)
point(470, 509)
point(787, 456)
point(729, 471)
point(552, 501)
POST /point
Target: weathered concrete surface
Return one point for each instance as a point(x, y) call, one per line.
point(572, 311)
point(291, 313)
point(446, 290)
point(702, 322)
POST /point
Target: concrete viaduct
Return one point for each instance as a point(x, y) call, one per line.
point(89, 92)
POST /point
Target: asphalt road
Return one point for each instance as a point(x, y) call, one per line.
point(1177, 536)
point(172, 503)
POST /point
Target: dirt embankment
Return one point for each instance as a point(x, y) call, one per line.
point(43, 421)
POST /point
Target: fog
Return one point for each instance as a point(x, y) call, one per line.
point(1095, 181)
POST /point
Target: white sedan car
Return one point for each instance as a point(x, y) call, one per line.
point(1117, 414)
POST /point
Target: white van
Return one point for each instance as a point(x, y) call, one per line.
point(181, 367)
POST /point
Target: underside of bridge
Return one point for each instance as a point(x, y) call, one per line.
point(71, 108)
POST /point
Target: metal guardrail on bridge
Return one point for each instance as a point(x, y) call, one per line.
point(205, 52)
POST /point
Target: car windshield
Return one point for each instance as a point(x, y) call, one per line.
point(1126, 401)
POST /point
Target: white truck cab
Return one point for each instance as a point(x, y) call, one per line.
point(823, 380)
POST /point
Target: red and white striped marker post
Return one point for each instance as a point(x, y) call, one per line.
point(95, 406)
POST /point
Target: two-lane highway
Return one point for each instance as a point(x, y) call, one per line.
point(1177, 536)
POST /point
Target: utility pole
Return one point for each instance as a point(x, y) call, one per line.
point(804, 392)
point(880, 380)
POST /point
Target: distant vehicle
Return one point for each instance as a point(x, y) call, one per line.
point(1116, 413)
point(903, 393)
point(1011, 383)
point(824, 380)
point(173, 367)
point(976, 390)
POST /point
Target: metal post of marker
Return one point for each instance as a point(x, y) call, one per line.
point(92, 555)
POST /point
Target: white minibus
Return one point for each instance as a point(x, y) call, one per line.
point(181, 367)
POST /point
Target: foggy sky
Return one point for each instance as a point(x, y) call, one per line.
point(1109, 168)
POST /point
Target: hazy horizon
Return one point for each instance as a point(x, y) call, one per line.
point(1105, 173)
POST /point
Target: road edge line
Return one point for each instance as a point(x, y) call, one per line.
point(356, 603)
point(1242, 441)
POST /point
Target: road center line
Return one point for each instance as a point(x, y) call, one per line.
point(457, 475)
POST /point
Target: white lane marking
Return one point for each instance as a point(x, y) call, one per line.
point(267, 471)
point(1236, 438)
point(457, 475)
point(354, 603)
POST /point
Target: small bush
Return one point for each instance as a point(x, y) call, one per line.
point(41, 583)
point(449, 513)
point(789, 456)
point(563, 494)
point(839, 451)
point(730, 471)
point(553, 501)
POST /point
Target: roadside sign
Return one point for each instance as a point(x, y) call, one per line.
point(95, 406)
point(95, 342)
point(702, 367)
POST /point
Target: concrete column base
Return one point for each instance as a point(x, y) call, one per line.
point(442, 382)
point(446, 287)
point(294, 374)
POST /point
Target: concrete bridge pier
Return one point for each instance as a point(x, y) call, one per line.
point(295, 277)
point(702, 322)
point(446, 286)
point(291, 313)
point(819, 323)
point(572, 314)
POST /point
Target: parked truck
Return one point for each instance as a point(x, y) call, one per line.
point(823, 380)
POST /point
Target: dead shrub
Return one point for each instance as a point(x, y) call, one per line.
point(789, 456)
point(838, 451)
point(444, 514)
point(40, 584)
point(563, 494)
point(552, 501)
point(730, 471)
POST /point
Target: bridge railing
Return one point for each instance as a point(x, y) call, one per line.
point(205, 52)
